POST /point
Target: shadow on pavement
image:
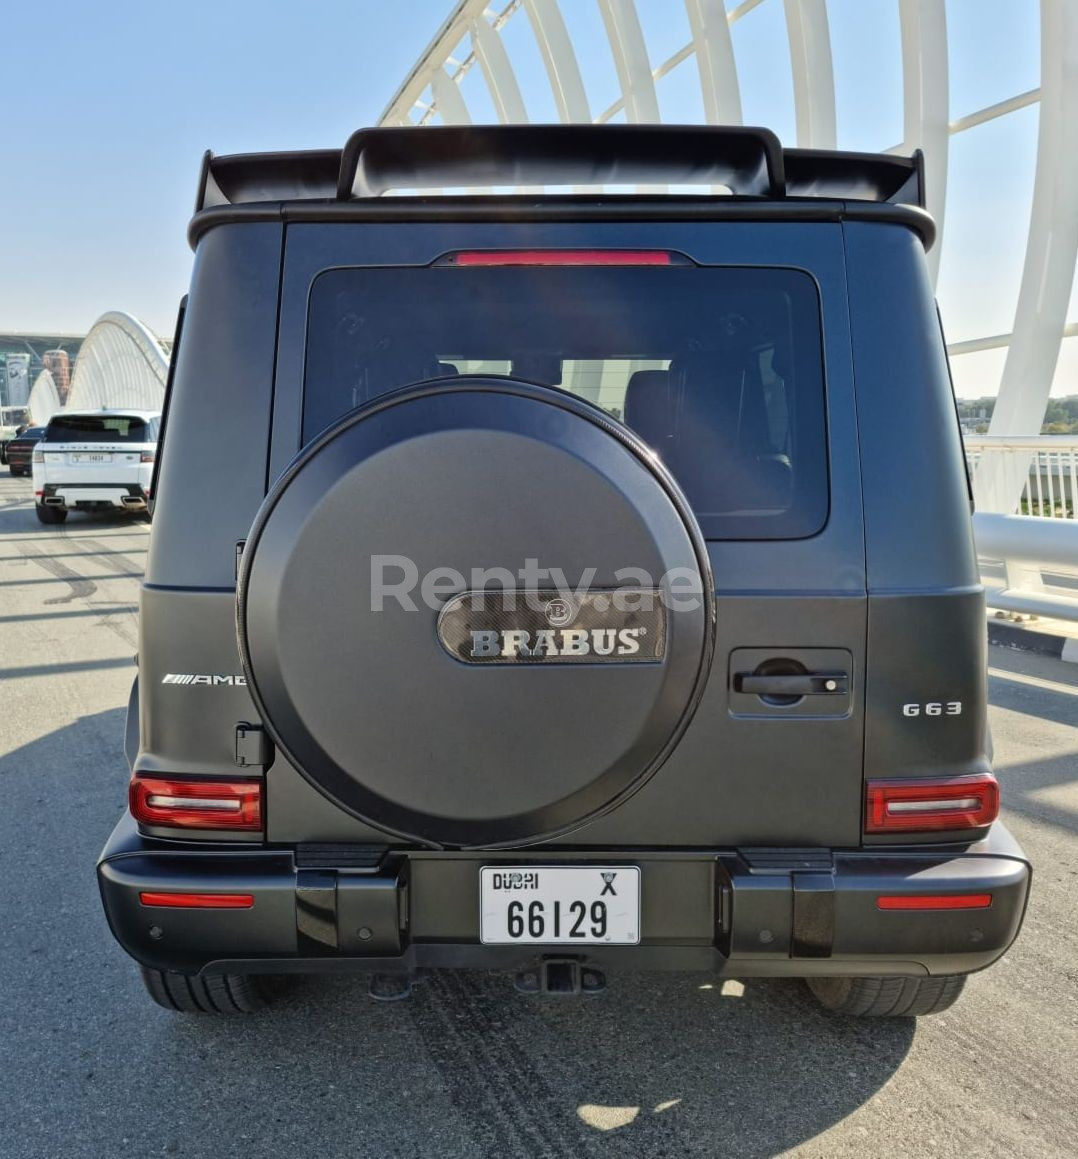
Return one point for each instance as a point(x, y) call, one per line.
point(67, 666)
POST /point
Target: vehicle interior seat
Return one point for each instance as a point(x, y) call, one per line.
point(720, 453)
point(649, 408)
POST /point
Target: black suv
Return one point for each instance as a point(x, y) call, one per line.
point(566, 581)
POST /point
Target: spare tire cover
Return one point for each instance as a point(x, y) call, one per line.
point(501, 717)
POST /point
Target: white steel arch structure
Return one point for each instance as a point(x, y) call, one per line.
point(44, 399)
point(121, 363)
point(474, 35)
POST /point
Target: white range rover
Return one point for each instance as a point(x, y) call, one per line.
point(94, 460)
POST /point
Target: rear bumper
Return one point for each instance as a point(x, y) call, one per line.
point(129, 495)
point(740, 913)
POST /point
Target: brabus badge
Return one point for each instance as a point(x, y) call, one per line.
point(623, 626)
point(560, 613)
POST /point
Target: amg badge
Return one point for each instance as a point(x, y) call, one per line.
point(548, 627)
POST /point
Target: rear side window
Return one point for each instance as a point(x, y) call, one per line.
point(718, 370)
point(97, 429)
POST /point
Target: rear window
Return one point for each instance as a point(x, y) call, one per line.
point(718, 370)
point(97, 429)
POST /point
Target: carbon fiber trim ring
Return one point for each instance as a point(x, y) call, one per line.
point(510, 626)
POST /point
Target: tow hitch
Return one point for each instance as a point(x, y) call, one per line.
point(560, 977)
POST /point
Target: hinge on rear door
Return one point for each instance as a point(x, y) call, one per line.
point(252, 745)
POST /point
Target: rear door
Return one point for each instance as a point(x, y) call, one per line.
point(732, 360)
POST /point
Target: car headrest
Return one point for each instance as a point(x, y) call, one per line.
point(708, 391)
point(648, 407)
point(723, 393)
point(646, 391)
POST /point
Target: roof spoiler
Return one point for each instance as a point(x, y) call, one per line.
point(749, 162)
point(856, 176)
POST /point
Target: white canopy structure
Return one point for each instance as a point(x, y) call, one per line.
point(44, 399)
point(121, 363)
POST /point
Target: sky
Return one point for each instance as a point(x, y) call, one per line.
point(112, 104)
point(108, 107)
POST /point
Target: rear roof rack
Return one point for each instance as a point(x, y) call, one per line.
point(750, 162)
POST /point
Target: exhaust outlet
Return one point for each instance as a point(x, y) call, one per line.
point(53, 501)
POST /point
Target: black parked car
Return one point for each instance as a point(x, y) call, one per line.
point(21, 448)
point(443, 664)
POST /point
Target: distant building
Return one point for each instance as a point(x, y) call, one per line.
point(26, 355)
point(58, 364)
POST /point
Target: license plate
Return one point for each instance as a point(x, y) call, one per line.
point(560, 905)
point(91, 457)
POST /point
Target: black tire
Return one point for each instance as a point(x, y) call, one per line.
point(887, 997)
point(213, 994)
point(14, 470)
point(50, 514)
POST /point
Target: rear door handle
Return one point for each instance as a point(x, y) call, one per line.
point(803, 684)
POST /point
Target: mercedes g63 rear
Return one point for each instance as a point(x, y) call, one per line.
point(565, 583)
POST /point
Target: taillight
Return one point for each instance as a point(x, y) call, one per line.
point(926, 805)
point(561, 258)
point(197, 900)
point(38, 456)
point(188, 804)
point(146, 457)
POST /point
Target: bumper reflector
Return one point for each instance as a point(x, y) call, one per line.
point(191, 804)
point(198, 900)
point(925, 805)
point(907, 901)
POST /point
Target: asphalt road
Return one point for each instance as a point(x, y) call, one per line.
point(657, 1066)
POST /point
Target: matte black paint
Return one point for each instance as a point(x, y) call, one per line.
point(713, 910)
point(749, 161)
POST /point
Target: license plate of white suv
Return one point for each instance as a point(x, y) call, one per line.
point(560, 905)
point(91, 457)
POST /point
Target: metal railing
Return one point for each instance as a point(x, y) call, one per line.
point(1050, 461)
point(1026, 525)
